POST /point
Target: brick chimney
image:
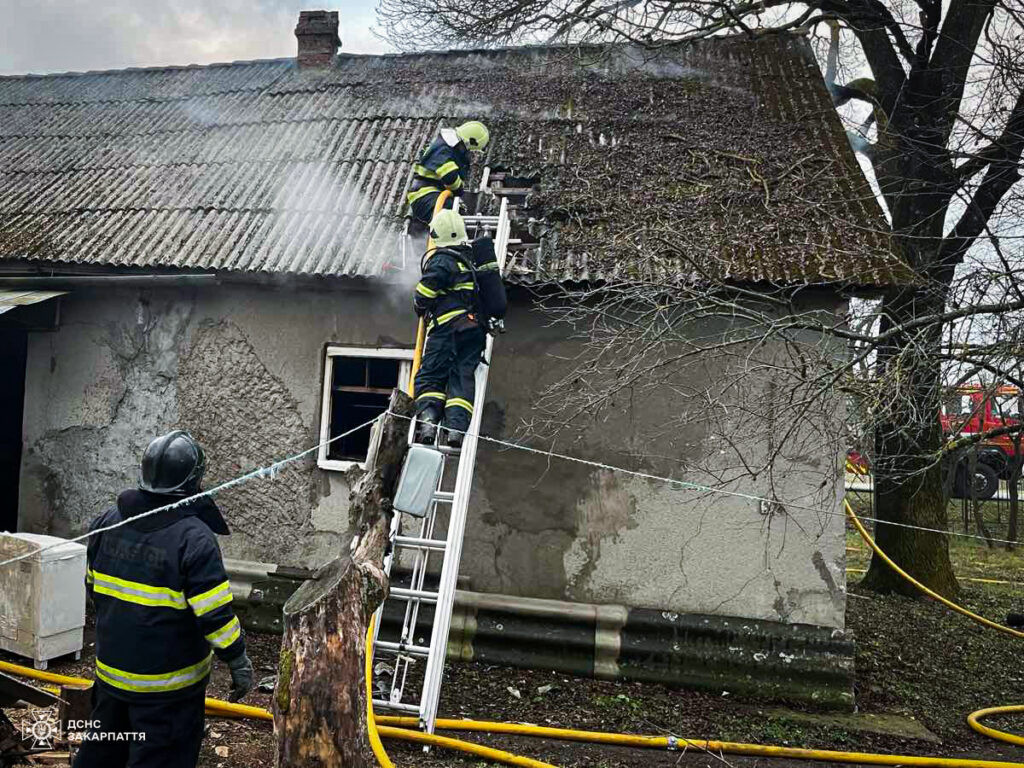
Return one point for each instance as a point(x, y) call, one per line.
point(317, 33)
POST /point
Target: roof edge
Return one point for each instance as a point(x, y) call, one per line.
point(392, 55)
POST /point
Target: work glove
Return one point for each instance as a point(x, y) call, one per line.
point(496, 325)
point(422, 307)
point(241, 677)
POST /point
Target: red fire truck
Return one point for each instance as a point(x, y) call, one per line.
point(970, 410)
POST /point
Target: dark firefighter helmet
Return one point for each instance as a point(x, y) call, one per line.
point(173, 465)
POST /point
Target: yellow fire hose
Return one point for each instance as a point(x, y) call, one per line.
point(973, 719)
point(217, 708)
point(702, 745)
point(401, 727)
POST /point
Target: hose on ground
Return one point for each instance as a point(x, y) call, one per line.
point(921, 587)
point(973, 719)
point(702, 745)
point(399, 727)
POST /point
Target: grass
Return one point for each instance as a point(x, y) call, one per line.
point(972, 558)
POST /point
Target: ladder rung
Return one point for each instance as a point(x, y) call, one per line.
point(414, 594)
point(412, 541)
point(444, 495)
point(397, 705)
point(390, 647)
point(448, 450)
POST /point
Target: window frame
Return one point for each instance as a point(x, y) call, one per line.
point(403, 355)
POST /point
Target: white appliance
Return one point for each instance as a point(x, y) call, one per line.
point(42, 598)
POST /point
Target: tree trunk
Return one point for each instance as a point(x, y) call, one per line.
point(908, 478)
point(924, 555)
point(320, 699)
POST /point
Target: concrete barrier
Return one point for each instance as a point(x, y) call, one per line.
point(769, 660)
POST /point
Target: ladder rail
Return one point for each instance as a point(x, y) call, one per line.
point(459, 513)
point(421, 562)
point(426, 543)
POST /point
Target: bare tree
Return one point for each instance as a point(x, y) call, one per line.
point(932, 94)
point(320, 706)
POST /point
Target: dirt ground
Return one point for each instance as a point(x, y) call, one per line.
point(915, 660)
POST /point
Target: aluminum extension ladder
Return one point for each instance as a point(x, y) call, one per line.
point(427, 540)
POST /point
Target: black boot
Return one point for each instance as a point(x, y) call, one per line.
point(453, 439)
point(1015, 620)
point(426, 425)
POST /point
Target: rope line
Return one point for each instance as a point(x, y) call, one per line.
point(269, 471)
point(686, 485)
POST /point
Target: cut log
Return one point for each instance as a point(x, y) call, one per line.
point(320, 699)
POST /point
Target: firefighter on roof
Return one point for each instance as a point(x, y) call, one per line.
point(461, 296)
point(445, 165)
point(163, 610)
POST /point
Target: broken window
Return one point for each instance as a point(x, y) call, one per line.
point(357, 387)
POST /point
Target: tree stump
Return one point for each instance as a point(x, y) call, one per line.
point(320, 699)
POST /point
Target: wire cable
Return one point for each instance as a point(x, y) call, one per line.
point(269, 471)
point(689, 486)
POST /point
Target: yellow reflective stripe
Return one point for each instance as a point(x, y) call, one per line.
point(458, 402)
point(490, 266)
point(456, 184)
point(165, 681)
point(441, 320)
point(464, 286)
point(226, 635)
point(211, 599)
point(432, 396)
point(422, 290)
point(422, 170)
point(412, 197)
point(447, 168)
point(137, 592)
point(462, 267)
point(88, 576)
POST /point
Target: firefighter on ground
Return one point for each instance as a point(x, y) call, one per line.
point(163, 611)
point(445, 165)
point(461, 296)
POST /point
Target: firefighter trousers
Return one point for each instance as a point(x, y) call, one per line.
point(446, 378)
point(423, 208)
point(160, 734)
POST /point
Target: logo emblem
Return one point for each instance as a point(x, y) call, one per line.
point(43, 729)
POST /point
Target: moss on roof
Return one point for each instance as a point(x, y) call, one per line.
point(725, 153)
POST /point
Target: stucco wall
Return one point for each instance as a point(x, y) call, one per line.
point(241, 367)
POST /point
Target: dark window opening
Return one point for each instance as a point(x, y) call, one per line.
point(13, 354)
point(507, 181)
point(360, 390)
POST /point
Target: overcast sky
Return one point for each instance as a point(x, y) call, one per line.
point(76, 35)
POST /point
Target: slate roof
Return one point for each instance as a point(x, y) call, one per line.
point(727, 150)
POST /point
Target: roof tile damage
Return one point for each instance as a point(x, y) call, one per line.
point(728, 146)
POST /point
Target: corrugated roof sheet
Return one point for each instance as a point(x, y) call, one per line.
point(14, 299)
point(262, 167)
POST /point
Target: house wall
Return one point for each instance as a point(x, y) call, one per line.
point(241, 367)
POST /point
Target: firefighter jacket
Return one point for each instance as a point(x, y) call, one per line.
point(163, 602)
point(444, 165)
point(461, 280)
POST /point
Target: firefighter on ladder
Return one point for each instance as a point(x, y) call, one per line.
point(462, 297)
point(445, 165)
point(163, 610)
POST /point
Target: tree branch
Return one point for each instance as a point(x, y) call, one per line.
point(1003, 172)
